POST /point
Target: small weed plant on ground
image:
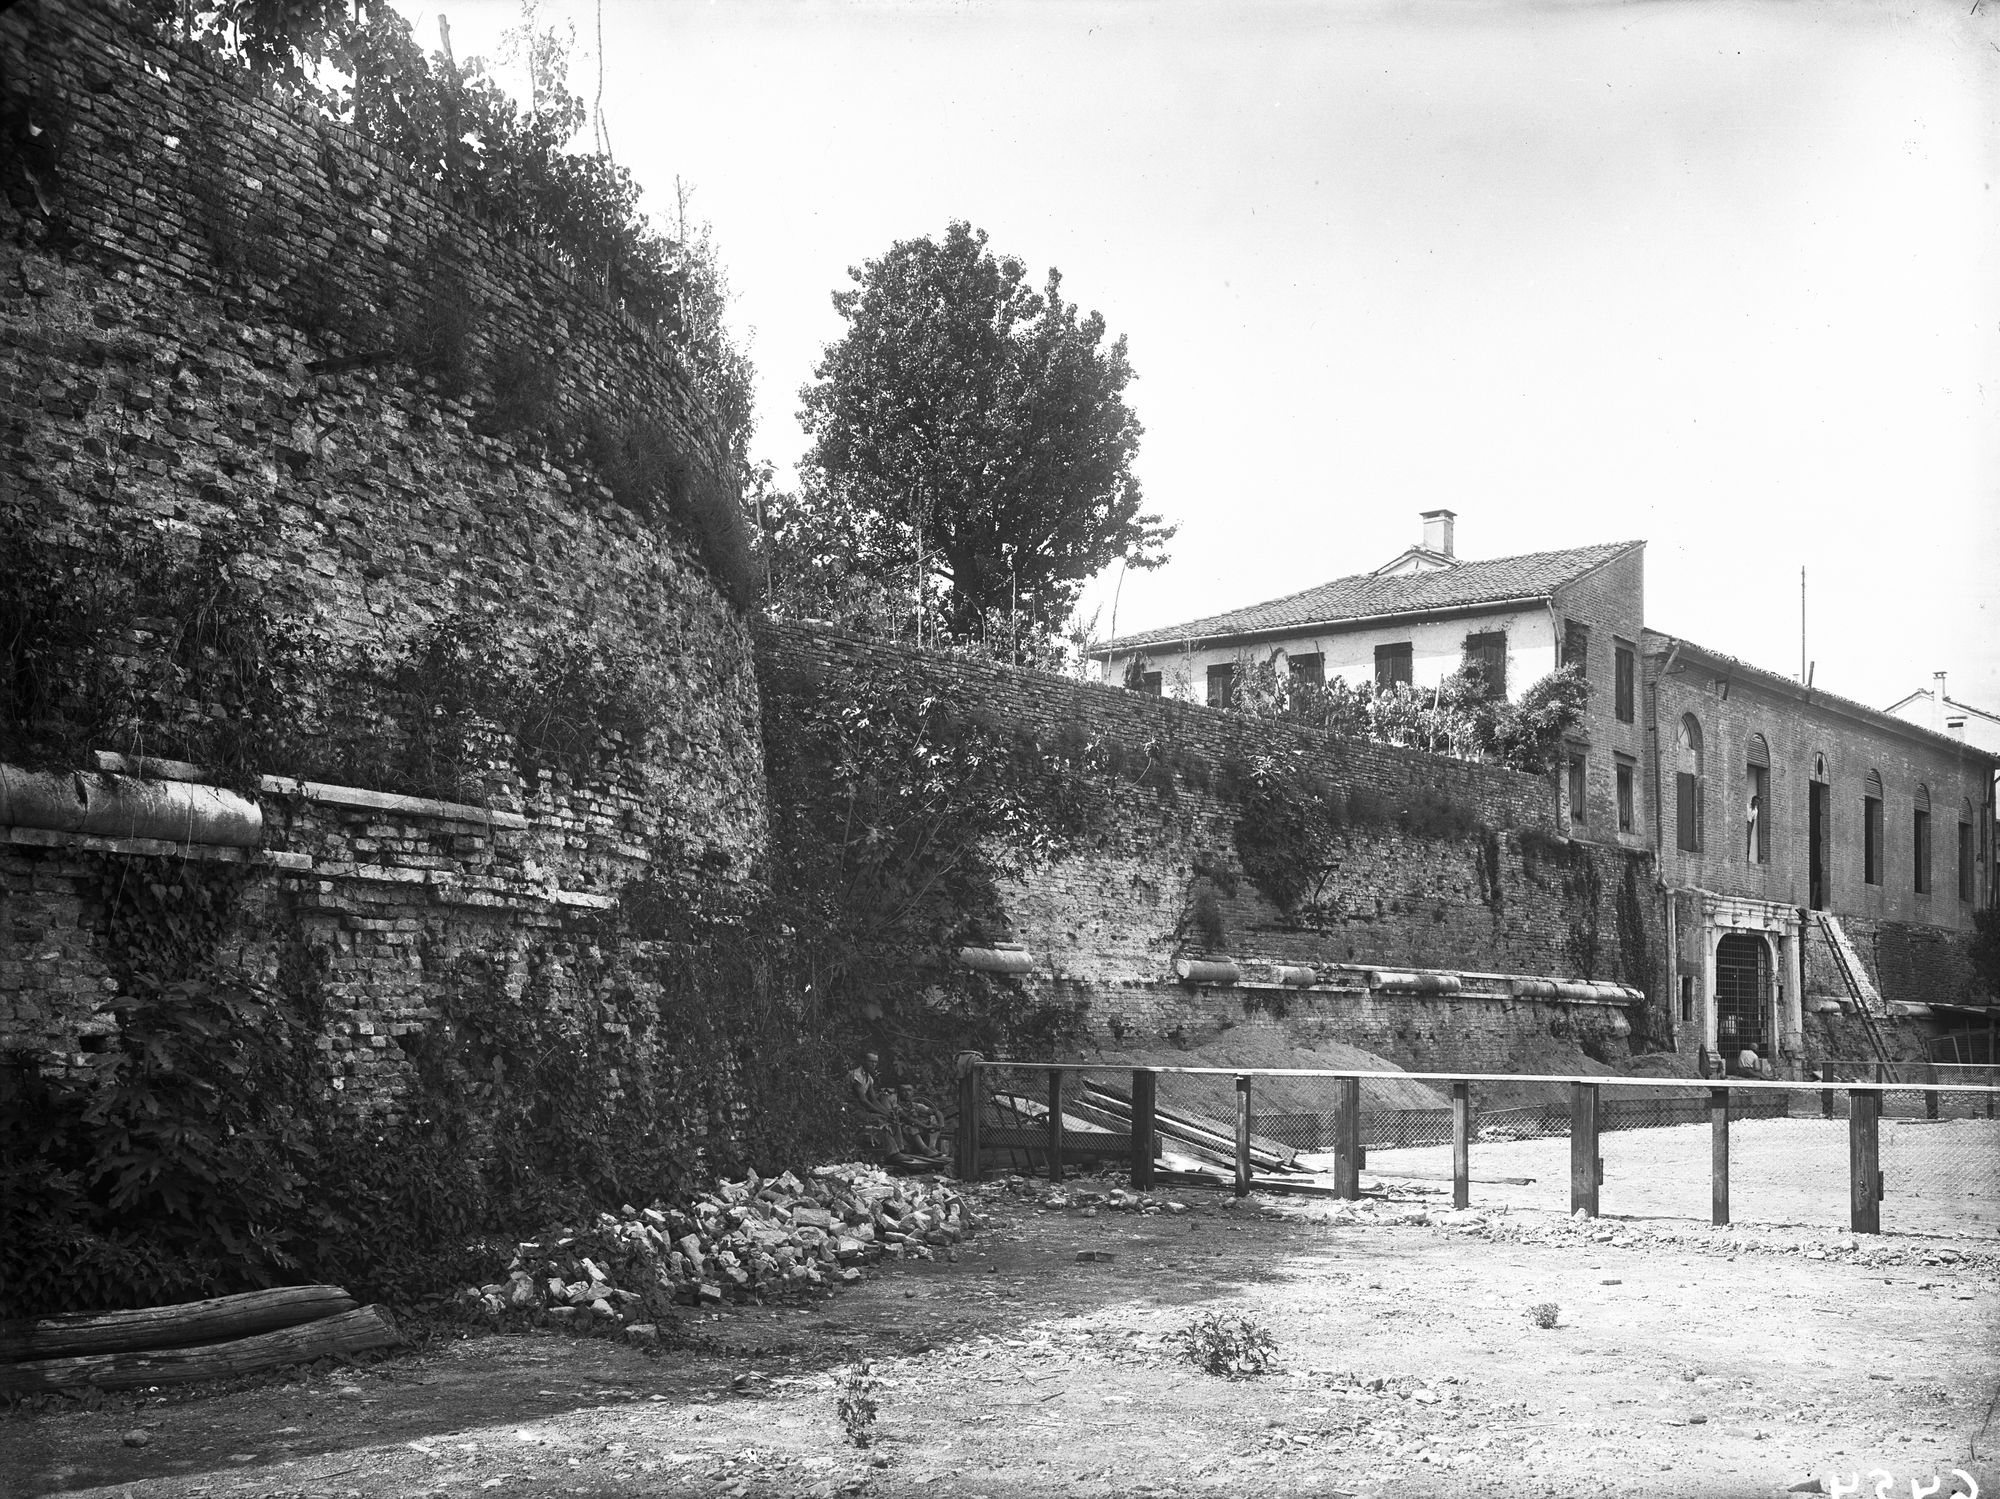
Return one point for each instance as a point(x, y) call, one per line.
point(855, 1403)
point(1227, 1344)
point(1544, 1313)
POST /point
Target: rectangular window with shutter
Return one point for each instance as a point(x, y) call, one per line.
point(1625, 689)
point(1307, 669)
point(1871, 840)
point(1221, 686)
point(1486, 654)
point(1627, 775)
point(1965, 861)
point(1576, 646)
point(1393, 664)
point(1687, 812)
point(1921, 838)
point(1578, 784)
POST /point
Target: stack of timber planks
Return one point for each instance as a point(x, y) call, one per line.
point(195, 1340)
point(1178, 1134)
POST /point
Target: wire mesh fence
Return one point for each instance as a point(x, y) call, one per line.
point(1788, 1152)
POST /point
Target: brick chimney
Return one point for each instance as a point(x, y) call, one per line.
point(1437, 530)
point(1937, 701)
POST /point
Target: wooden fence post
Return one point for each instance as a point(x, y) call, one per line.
point(1347, 1137)
point(1242, 1137)
point(1718, 1149)
point(1930, 1099)
point(1144, 1091)
point(971, 1100)
point(1864, 1161)
point(1055, 1125)
point(1461, 1145)
point(1583, 1164)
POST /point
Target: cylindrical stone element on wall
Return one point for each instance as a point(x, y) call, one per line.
point(112, 806)
point(1530, 988)
point(1207, 970)
point(1413, 983)
point(1001, 957)
point(1297, 978)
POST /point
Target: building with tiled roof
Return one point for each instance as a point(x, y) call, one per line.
point(1817, 855)
point(1426, 614)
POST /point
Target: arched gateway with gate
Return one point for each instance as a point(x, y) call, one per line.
point(1743, 1019)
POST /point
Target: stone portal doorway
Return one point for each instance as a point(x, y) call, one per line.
point(1742, 997)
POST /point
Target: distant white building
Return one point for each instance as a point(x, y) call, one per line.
point(1934, 709)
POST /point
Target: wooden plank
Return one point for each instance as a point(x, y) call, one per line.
point(1461, 1145)
point(1347, 1137)
point(1718, 1152)
point(1144, 1146)
point(1864, 1161)
point(971, 1100)
point(347, 1333)
point(1405, 1174)
point(1275, 1153)
point(1242, 1136)
point(1190, 1135)
point(1055, 1143)
point(178, 1326)
point(1583, 1168)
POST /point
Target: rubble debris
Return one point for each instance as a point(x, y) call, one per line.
point(741, 1242)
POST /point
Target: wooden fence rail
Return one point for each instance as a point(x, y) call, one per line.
point(1586, 1120)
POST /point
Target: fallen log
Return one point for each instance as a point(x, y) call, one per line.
point(346, 1333)
point(178, 1326)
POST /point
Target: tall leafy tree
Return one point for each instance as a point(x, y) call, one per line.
point(973, 437)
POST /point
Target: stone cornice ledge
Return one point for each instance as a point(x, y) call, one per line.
point(154, 768)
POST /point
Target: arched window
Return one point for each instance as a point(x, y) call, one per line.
point(1819, 767)
point(1871, 828)
point(1757, 802)
point(1687, 786)
point(1967, 850)
point(1920, 842)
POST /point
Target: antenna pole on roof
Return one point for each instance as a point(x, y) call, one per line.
point(1802, 626)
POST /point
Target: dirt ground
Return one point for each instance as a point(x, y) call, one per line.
point(1940, 1175)
point(1684, 1360)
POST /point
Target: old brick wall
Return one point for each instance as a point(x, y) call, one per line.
point(1611, 602)
point(186, 271)
point(1105, 924)
point(1730, 706)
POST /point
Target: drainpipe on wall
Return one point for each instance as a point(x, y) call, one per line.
point(1673, 975)
point(1660, 852)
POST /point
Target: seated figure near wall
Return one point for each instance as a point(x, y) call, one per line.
point(907, 1133)
point(923, 1126)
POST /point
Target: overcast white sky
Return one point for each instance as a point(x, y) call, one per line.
point(1721, 276)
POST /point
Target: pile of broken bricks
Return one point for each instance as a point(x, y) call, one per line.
point(743, 1241)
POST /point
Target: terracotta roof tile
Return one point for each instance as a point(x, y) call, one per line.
point(1532, 575)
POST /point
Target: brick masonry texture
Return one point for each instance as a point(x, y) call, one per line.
point(1611, 602)
point(1730, 708)
point(152, 386)
point(1105, 925)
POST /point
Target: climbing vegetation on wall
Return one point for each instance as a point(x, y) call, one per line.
point(144, 645)
point(1295, 822)
point(893, 814)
